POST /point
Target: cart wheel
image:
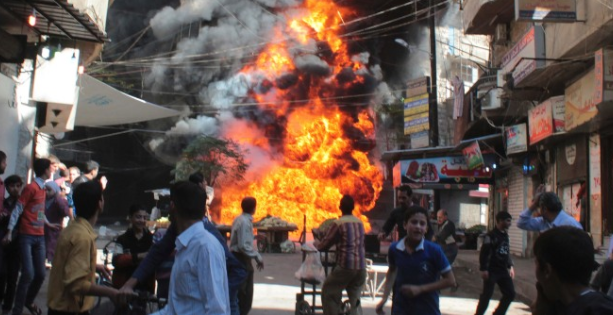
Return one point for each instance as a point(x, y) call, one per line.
point(262, 245)
point(303, 308)
point(345, 308)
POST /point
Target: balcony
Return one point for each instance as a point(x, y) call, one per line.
point(481, 16)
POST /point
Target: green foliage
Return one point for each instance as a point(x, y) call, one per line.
point(391, 119)
point(219, 160)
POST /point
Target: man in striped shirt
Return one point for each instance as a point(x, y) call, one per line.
point(347, 233)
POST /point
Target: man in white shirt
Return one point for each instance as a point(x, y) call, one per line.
point(241, 245)
point(198, 282)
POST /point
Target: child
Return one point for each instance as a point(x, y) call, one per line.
point(418, 269)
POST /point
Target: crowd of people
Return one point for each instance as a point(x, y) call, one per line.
point(198, 272)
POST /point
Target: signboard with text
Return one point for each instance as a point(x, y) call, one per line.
point(416, 123)
point(418, 87)
point(579, 100)
point(546, 10)
point(558, 107)
point(473, 156)
point(540, 122)
point(450, 169)
point(516, 138)
point(527, 55)
point(416, 104)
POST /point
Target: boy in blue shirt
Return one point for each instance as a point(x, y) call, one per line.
point(418, 269)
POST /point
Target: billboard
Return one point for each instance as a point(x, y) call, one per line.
point(449, 169)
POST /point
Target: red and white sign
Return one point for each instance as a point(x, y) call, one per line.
point(540, 120)
point(527, 55)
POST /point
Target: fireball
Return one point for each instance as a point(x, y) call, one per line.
point(316, 143)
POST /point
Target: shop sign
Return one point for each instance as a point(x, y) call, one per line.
point(418, 87)
point(516, 139)
point(595, 179)
point(604, 75)
point(472, 154)
point(558, 108)
point(540, 121)
point(420, 139)
point(416, 104)
point(442, 169)
point(579, 99)
point(416, 123)
point(546, 10)
point(527, 55)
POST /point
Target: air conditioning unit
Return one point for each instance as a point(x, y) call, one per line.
point(501, 35)
point(489, 92)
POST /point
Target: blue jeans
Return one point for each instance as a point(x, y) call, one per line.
point(32, 250)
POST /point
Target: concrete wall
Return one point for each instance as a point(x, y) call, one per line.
point(564, 40)
point(9, 123)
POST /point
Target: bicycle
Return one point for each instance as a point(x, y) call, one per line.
point(101, 278)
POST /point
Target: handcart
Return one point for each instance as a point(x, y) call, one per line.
point(309, 288)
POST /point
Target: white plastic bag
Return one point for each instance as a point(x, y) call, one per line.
point(311, 270)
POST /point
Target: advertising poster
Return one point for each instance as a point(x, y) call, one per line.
point(451, 169)
point(472, 154)
point(516, 139)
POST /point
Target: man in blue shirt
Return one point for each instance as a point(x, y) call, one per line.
point(198, 283)
point(552, 214)
point(418, 269)
point(161, 250)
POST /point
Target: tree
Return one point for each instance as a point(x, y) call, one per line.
point(219, 160)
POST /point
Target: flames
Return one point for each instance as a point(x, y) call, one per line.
point(322, 152)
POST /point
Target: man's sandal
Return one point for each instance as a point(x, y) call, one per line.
point(34, 309)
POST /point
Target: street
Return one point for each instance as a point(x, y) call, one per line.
point(276, 289)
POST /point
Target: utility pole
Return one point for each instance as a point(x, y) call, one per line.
point(433, 109)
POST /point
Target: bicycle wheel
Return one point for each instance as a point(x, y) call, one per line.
point(303, 308)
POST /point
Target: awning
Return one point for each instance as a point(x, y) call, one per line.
point(101, 105)
point(482, 16)
point(56, 18)
point(486, 139)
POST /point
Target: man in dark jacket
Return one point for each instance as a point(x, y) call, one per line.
point(496, 266)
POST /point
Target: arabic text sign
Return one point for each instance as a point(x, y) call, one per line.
point(604, 75)
point(418, 86)
point(516, 139)
point(416, 123)
point(416, 104)
point(434, 170)
point(579, 99)
point(558, 107)
point(520, 60)
point(546, 10)
point(540, 120)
